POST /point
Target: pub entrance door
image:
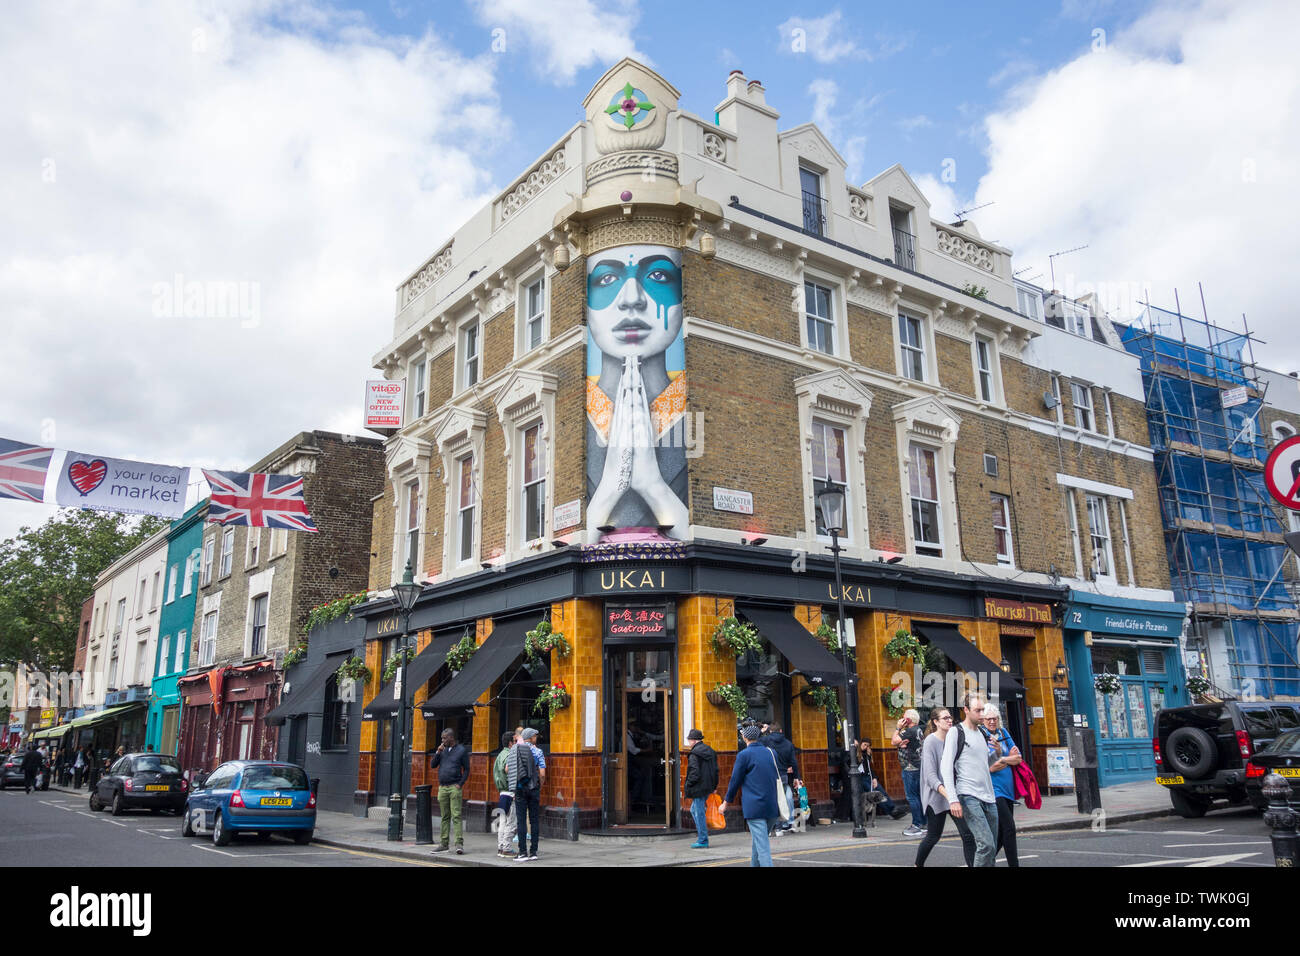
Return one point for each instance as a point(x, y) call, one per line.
point(641, 773)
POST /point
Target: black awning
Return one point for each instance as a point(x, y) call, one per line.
point(968, 657)
point(305, 692)
point(488, 663)
point(807, 655)
point(423, 666)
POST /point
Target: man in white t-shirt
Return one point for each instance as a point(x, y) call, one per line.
point(966, 776)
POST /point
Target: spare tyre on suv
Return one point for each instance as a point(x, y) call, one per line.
point(1201, 750)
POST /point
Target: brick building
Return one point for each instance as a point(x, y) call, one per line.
point(627, 379)
point(256, 587)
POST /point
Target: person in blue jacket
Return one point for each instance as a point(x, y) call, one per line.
point(755, 777)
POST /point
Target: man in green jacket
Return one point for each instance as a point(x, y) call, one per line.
point(504, 818)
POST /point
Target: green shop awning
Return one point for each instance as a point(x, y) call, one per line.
point(106, 716)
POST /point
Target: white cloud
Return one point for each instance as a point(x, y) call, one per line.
point(910, 124)
point(825, 38)
point(825, 94)
point(1172, 156)
point(566, 35)
point(318, 169)
point(944, 201)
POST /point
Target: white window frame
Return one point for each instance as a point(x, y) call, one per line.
point(139, 598)
point(1081, 409)
point(523, 485)
point(911, 355)
point(1007, 560)
point(526, 399)
point(1103, 533)
point(929, 423)
point(465, 470)
point(1110, 412)
point(164, 655)
point(279, 543)
point(826, 322)
point(253, 548)
point(173, 572)
point(1072, 517)
point(1077, 318)
point(250, 649)
point(1281, 431)
point(1024, 295)
point(141, 659)
point(463, 356)
point(227, 565)
point(836, 398)
point(112, 668)
point(993, 371)
point(409, 488)
point(1128, 548)
point(1056, 394)
point(418, 370)
point(182, 644)
point(191, 565)
point(820, 423)
point(937, 455)
point(121, 617)
point(208, 638)
point(90, 674)
point(526, 319)
point(156, 594)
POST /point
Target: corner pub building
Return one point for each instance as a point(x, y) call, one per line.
point(628, 377)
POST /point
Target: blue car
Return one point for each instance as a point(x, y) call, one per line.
point(251, 796)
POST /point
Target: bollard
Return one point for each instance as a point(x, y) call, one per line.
point(1281, 819)
point(424, 814)
point(571, 823)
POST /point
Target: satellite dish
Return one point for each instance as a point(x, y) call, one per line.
point(1050, 400)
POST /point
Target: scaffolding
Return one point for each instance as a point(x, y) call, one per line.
point(1222, 532)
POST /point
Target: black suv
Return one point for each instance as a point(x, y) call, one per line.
point(1201, 750)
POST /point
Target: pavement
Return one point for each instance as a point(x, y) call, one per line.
point(1120, 804)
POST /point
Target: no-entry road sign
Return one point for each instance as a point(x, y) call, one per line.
point(1282, 473)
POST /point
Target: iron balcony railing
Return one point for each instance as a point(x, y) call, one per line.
point(905, 249)
point(814, 213)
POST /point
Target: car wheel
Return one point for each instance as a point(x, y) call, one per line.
point(302, 837)
point(1187, 805)
point(95, 805)
point(186, 829)
point(118, 805)
point(221, 836)
point(1191, 752)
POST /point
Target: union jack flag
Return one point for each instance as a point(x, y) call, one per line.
point(22, 470)
point(257, 500)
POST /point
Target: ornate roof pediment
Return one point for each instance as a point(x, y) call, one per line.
point(929, 418)
point(835, 390)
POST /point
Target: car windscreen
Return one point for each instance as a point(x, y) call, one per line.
point(274, 778)
point(1287, 742)
point(155, 765)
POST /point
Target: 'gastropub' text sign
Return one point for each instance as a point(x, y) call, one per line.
point(631, 623)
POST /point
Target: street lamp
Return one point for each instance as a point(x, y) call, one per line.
point(406, 593)
point(830, 501)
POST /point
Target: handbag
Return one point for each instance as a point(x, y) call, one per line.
point(781, 802)
point(1027, 786)
point(713, 817)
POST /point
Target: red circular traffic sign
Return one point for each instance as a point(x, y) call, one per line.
point(1282, 473)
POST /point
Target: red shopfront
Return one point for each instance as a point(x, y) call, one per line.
point(224, 715)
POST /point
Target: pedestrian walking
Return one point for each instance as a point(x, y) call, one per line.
point(755, 777)
point(452, 763)
point(1005, 755)
point(526, 774)
point(965, 771)
point(506, 826)
point(908, 740)
point(701, 780)
point(934, 797)
point(78, 768)
point(31, 766)
point(787, 762)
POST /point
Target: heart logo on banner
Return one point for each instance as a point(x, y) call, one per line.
point(87, 475)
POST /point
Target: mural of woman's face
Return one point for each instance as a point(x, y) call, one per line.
point(634, 299)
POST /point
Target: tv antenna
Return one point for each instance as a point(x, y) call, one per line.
point(961, 213)
point(1052, 264)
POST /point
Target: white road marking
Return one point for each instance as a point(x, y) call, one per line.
point(114, 822)
point(1197, 860)
point(1170, 846)
point(209, 849)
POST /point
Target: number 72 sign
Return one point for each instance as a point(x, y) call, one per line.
point(1282, 473)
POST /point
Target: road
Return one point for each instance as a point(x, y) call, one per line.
point(58, 829)
point(1235, 837)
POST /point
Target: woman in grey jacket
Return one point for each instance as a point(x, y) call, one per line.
point(934, 797)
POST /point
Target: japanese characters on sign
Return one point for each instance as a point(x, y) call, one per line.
point(624, 622)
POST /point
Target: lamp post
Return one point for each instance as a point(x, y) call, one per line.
point(830, 500)
point(406, 593)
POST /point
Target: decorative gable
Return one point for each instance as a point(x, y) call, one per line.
point(835, 391)
point(928, 418)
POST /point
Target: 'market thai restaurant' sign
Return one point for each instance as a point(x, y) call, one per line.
point(1017, 611)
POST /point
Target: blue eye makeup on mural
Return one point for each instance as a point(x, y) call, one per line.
point(656, 276)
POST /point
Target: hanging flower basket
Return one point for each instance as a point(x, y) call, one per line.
point(1106, 683)
point(460, 654)
point(731, 638)
point(904, 644)
point(826, 634)
point(1197, 685)
point(895, 701)
point(714, 698)
point(733, 697)
point(354, 669)
point(394, 662)
point(542, 640)
point(826, 699)
point(295, 656)
point(554, 699)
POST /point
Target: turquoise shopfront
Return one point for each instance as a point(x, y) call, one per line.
point(1139, 643)
point(184, 539)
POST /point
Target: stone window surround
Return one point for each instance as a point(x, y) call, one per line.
point(527, 278)
point(931, 424)
point(834, 398)
point(462, 432)
point(926, 317)
point(526, 399)
point(839, 311)
point(1111, 577)
point(211, 605)
point(418, 360)
point(995, 368)
point(473, 318)
point(1005, 501)
point(259, 585)
point(408, 460)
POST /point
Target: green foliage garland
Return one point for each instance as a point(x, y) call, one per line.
point(332, 611)
point(296, 655)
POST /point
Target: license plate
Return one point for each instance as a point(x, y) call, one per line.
point(277, 801)
point(1169, 781)
point(158, 786)
point(1287, 771)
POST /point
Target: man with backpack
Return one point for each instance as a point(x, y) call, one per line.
point(701, 780)
point(964, 767)
point(525, 775)
point(506, 826)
